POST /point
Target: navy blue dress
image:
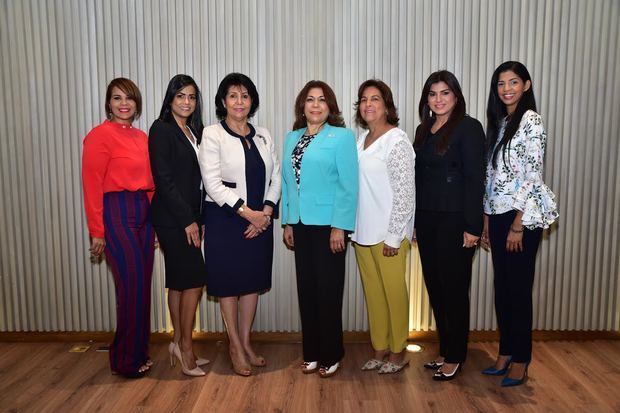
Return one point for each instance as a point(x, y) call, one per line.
point(236, 265)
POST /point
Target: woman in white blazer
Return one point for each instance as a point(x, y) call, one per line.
point(241, 173)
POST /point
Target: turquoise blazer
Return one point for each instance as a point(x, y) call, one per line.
point(328, 184)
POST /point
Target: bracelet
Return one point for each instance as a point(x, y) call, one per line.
point(515, 231)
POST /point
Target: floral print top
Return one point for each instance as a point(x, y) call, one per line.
point(516, 183)
point(298, 154)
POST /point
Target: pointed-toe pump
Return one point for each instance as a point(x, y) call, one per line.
point(195, 372)
point(492, 371)
point(441, 376)
point(510, 382)
point(199, 360)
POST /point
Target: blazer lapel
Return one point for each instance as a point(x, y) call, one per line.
point(185, 141)
point(261, 144)
point(325, 133)
point(299, 133)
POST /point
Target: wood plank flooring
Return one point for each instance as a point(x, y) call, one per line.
point(565, 376)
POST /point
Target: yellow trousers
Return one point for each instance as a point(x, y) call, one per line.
point(386, 295)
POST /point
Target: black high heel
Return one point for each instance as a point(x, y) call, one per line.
point(433, 365)
point(441, 376)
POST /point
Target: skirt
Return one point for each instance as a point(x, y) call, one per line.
point(185, 267)
point(235, 265)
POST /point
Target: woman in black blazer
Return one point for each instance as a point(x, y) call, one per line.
point(176, 211)
point(449, 175)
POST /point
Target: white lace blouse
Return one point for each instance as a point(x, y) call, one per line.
point(386, 202)
point(517, 183)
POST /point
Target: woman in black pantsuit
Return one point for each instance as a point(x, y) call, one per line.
point(449, 181)
point(176, 207)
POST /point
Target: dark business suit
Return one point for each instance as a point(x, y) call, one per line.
point(449, 191)
point(177, 202)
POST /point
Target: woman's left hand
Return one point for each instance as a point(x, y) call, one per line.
point(193, 234)
point(389, 251)
point(336, 240)
point(469, 240)
point(514, 241)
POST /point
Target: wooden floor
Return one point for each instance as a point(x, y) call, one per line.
point(565, 376)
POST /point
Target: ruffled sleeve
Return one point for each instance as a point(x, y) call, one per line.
point(532, 196)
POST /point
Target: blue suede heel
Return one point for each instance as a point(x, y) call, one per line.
point(492, 371)
point(508, 382)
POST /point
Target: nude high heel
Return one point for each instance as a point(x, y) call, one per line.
point(199, 360)
point(195, 372)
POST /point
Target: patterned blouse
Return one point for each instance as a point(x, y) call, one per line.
point(298, 154)
point(517, 183)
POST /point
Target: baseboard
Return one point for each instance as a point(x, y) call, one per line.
point(295, 337)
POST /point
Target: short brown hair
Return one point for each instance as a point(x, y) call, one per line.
point(388, 99)
point(130, 89)
point(335, 116)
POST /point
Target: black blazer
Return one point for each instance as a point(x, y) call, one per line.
point(453, 182)
point(178, 199)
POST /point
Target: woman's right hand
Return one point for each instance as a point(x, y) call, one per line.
point(288, 237)
point(97, 245)
point(484, 238)
point(193, 234)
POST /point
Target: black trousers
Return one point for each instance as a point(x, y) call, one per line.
point(320, 285)
point(446, 265)
point(514, 279)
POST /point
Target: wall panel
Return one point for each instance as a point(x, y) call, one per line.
point(58, 56)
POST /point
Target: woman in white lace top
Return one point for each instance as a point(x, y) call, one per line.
point(384, 224)
point(518, 205)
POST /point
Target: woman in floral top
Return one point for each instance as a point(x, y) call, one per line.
point(517, 206)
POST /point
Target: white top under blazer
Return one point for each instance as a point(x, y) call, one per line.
point(222, 159)
point(386, 203)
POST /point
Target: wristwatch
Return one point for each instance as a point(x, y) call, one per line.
point(240, 209)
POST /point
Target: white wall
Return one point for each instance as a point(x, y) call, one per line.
point(57, 57)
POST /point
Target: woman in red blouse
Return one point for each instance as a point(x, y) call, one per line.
point(118, 185)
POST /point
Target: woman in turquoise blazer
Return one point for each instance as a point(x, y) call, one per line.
point(319, 202)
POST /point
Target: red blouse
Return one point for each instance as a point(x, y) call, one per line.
point(115, 158)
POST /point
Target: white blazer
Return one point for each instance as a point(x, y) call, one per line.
point(222, 163)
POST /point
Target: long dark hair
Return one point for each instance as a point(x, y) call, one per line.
point(427, 117)
point(496, 110)
point(335, 116)
point(194, 121)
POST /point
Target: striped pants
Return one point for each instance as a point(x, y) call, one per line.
point(129, 253)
